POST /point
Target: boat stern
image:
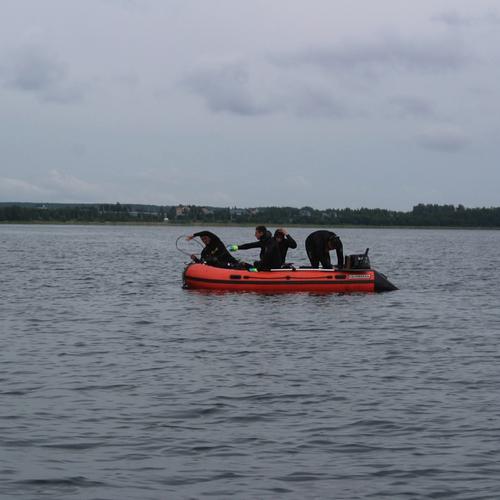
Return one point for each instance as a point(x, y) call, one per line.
point(382, 284)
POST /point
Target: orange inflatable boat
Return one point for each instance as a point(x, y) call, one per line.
point(202, 276)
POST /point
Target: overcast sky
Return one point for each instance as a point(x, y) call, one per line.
point(327, 103)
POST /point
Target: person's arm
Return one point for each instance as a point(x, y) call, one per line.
point(290, 241)
point(247, 246)
point(340, 255)
point(326, 261)
point(201, 233)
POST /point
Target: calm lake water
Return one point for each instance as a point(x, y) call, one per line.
point(118, 384)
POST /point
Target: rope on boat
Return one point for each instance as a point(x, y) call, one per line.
point(182, 250)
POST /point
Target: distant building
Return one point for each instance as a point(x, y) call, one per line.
point(237, 212)
point(182, 211)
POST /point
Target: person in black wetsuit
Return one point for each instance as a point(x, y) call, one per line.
point(215, 253)
point(318, 246)
point(270, 257)
point(285, 241)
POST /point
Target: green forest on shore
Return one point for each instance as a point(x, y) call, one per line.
point(420, 215)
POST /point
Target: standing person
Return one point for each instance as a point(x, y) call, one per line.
point(270, 257)
point(214, 253)
point(318, 246)
point(284, 241)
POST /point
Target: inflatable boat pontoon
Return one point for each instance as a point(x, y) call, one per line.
point(202, 276)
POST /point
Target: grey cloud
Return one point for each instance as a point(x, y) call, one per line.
point(225, 89)
point(18, 189)
point(411, 107)
point(130, 80)
point(387, 53)
point(32, 69)
point(138, 5)
point(310, 101)
point(64, 94)
point(71, 185)
point(281, 83)
point(443, 139)
point(57, 185)
point(454, 19)
point(238, 89)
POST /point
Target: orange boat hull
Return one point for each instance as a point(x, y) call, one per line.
point(201, 276)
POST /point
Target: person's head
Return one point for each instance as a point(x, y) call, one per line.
point(333, 242)
point(206, 239)
point(260, 232)
point(279, 235)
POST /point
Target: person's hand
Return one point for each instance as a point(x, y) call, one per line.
point(232, 248)
point(284, 231)
point(189, 238)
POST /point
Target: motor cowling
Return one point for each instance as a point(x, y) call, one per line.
point(357, 261)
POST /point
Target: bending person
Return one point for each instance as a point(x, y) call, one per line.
point(284, 241)
point(215, 253)
point(270, 257)
point(318, 246)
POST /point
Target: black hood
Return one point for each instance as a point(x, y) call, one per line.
point(268, 235)
point(214, 239)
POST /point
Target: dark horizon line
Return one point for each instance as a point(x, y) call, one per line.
point(12, 203)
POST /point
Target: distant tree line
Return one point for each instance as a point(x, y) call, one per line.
point(80, 213)
point(420, 215)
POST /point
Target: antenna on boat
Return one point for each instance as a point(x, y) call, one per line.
point(181, 249)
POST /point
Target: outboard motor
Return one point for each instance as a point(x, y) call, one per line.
point(357, 261)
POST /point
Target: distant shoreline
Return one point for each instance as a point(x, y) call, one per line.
point(243, 224)
point(421, 216)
